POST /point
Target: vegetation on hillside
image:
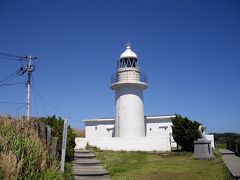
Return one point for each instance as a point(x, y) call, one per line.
point(56, 124)
point(226, 137)
point(22, 153)
point(78, 132)
point(184, 132)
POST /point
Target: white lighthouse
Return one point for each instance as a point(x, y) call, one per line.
point(129, 83)
point(130, 129)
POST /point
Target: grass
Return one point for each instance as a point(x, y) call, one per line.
point(175, 165)
point(55, 174)
point(68, 172)
point(23, 154)
point(222, 145)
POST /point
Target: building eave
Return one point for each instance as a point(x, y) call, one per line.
point(98, 120)
point(152, 117)
point(159, 117)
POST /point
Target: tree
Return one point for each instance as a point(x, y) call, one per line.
point(185, 132)
point(56, 125)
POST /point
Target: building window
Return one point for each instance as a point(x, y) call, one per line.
point(165, 127)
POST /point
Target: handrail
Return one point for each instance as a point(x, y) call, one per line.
point(115, 78)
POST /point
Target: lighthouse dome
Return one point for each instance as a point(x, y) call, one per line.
point(128, 53)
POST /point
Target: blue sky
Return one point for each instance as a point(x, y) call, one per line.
point(190, 51)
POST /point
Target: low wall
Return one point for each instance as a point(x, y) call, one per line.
point(160, 143)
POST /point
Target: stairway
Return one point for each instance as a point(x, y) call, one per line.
point(87, 167)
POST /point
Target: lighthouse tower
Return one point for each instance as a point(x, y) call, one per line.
point(129, 83)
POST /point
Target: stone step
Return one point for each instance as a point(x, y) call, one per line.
point(87, 167)
point(79, 167)
point(89, 172)
point(82, 151)
point(86, 161)
point(226, 151)
point(84, 155)
point(102, 177)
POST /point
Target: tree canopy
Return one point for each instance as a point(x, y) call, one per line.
point(185, 132)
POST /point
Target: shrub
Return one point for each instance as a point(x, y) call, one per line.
point(184, 132)
point(56, 125)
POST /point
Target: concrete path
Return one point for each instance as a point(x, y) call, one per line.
point(232, 162)
point(87, 167)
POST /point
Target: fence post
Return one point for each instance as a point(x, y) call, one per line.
point(43, 131)
point(54, 147)
point(48, 136)
point(64, 143)
point(236, 147)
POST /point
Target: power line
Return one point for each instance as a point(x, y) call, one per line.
point(17, 109)
point(35, 98)
point(8, 77)
point(9, 58)
point(6, 82)
point(8, 102)
point(28, 67)
point(40, 100)
point(10, 55)
point(12, 76)
point(11, 84)
point(52, 106)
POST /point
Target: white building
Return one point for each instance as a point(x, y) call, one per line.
point(130, 130)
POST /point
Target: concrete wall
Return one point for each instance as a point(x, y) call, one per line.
point(153, 127)
point(126, 143)
point(99, 129)
point(158, 127)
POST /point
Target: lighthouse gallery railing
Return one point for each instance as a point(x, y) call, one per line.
point(115, 78)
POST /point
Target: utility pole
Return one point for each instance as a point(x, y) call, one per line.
point(30, 69)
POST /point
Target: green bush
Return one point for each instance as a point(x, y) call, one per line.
point(56, 125)
point(184, 132)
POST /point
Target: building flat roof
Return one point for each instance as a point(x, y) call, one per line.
point(152, 117)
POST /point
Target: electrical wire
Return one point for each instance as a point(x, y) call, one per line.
point(8, 102)
point(35, 97)
point(8, 58)
point(8, 77)
point(11, 84)
point(20, 72)
point(24, 68)
point(53, 107)
point(6, 82)
point(17, 109)
point(9, 55)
